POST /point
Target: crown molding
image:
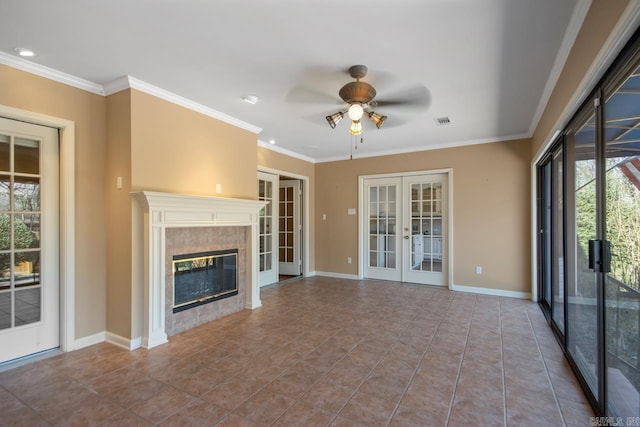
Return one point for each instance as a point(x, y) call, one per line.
point(119, 84)
point(126, 82)
point(455, 144)
point(49, 73)
point(575, 24)
point(286, 152)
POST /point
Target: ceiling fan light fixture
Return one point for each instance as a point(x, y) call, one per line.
point(377, 119)
point(334, 119)
point(356, 127)
point(355, 112)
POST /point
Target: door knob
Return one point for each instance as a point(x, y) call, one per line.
point(406, 237)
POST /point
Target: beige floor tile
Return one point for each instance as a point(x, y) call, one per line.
point(304, 415)
point(264, 407)
point(165, 402)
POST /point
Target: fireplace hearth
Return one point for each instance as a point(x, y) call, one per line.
point(204, 277)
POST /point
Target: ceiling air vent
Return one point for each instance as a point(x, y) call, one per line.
point(443, 120)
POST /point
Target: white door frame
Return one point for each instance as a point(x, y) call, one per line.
point(362, 221)
point(67, 216)
point(305, 213)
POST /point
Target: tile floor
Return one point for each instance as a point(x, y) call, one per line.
point(319, 352)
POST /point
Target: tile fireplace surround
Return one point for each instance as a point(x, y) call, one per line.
point(162, 212)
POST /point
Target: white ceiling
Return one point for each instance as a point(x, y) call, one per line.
point(489, 65)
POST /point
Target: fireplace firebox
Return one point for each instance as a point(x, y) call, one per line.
point(204, 277)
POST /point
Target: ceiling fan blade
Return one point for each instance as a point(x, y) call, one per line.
point(416, 98)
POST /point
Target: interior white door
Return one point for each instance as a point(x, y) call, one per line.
point(268, 229)
point(407, 228)
point(382, 244)
point(29, 239)
point(425, 229)
point(290, 228)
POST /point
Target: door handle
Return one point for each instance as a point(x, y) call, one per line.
point(594, 255)
point(406, 237)
point(600, 256)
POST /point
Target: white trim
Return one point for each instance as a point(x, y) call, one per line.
point(286, 152)
point(429, 148)
point(489, 291)
point(50, 73)
point(575, 23)
point(117, 85)
point(305, 227)
point(90, 340)
point(120, 341)
point(67, 216)
point(133, 83)
point(336, 275)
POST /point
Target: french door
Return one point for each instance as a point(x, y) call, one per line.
point(290, 228)
point(29, 239)
point(406, 228)
point(268, 229)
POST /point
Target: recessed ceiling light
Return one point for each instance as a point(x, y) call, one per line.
point(272, 141)
point(251, 99)
point(24, 52)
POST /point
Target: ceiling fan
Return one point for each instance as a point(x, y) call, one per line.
point(360, 97)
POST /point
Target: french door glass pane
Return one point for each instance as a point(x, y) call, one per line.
point(382, 226)
point(582, 320)
point(426, 226)
point(265, 192)
point(20, 286)
point(622, 231)
point(287, 224)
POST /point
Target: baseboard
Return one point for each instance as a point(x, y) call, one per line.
point(489, 291)
point(89, 340)
point(129, 344)
point(336, 275)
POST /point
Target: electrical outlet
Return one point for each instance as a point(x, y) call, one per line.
point(348, 260)
point(478, 269)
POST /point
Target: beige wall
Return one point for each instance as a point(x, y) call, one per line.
point(490, 202)
point(282, 163)
point(119, 293)
point(598, 24)
point(177, 150)
point(88, 111)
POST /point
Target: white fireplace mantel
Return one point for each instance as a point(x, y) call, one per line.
point(164, 210)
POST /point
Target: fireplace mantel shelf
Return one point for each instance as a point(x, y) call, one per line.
point(166, 210)
point(182, 209)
